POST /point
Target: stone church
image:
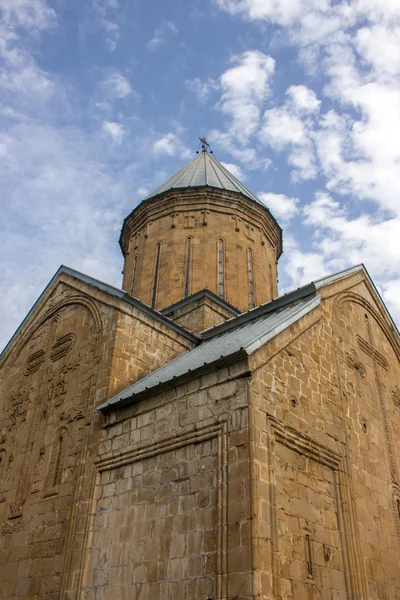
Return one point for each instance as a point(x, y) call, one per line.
point(194, 435)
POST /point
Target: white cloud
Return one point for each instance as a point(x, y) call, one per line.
point(117, 85)
point(115, 130)
point(166, 145)
point(235, 170)
point(170, 144)
point(283, 130)
point(354, 48)
point(282, 207)
point(380, 47)
point(64, 205)
point(246, 155)
point(282, 12)
point(19, 73)
point(161, 34)
point(31, 15)
point(303, 99)
point(357, 238)
point(245, 87)
point(391, 294)
point(106, 12)
point(202, 89)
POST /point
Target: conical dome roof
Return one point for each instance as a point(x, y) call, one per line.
point(204, 170)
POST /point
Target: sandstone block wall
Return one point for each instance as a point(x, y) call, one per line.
point(80, 346)
point(172, 496)
point(200, 314)
point(328, 454)
point(274, 477)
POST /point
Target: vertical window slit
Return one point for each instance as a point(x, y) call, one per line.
point(188, 259)
point(155, 280)
point(58, 463)
point(309, 557)
point(250, 275)
point(271, 283)
point(134, 274)
point(221, 268)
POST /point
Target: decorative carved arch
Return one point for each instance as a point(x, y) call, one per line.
point(52, 313)
point(357, 299)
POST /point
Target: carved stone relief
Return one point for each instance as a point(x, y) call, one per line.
point(2, 472)
point(396, 396)
point(6, 477)
point(38, 472)
point(20, 401)
point(47, 391)
point(56, 466)
point(62, 346)
point(360, 372)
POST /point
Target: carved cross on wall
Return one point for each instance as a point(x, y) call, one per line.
point(369, 349)
point(380, 361)
point(396, 396)
point(360, 372)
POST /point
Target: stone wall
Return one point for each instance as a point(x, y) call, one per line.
point(172, 495)
point(78, 347)
point(47, 395)
point(274, 477)
point(198, 314)
point(327, 446)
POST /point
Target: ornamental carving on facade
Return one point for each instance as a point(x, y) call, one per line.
point(396, 396)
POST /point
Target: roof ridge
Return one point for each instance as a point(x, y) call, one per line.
point(222, 350)
point(260, 311)
point(215, 171)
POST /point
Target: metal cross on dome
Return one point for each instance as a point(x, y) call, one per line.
point(205, 145)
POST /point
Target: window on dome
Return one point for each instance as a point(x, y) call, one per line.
point(250, 276)
point(221, 268)
point(134, 274)
point(155, 280)
point(188, 259)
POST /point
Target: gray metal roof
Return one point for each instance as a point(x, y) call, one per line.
point(247, 338)
point(201, 171)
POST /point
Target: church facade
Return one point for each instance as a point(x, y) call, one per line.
point(194, 435)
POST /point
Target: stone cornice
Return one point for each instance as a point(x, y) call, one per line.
point(197, 199)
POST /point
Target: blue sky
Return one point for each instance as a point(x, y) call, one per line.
point(101, 100)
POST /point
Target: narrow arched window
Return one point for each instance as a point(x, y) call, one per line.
point(155, 279)
point(56, 466)
point(2, 472)
point(221, 257)
point(398, 507)
point(187, 268)
point(134, 273)
point(250, 276)
point(271, 283)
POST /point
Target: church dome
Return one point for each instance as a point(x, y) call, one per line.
point(204, 170)
point(200, 229)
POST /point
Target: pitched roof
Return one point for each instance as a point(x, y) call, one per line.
point(204, 293)
point(237, 342)
point(113, 291)
point(204, 170)
point(236, 338)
